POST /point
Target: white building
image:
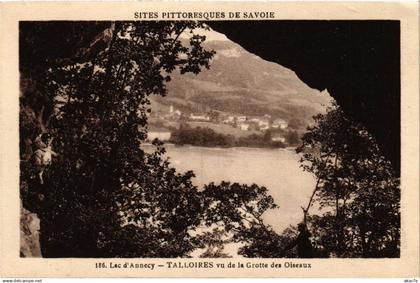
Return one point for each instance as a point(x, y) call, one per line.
point(277, 138)
point(240, 119)
point(229, 120)
point(163, 135)
point(199, 117)
point(244, 126)
point(264, 124)
point(255, 120)
point(279, 124)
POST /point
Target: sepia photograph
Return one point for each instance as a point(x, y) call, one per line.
point(210, 139)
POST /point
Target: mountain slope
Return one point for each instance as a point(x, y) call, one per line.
point(239, 82)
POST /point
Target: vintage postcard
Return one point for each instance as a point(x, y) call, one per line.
point(209, 139)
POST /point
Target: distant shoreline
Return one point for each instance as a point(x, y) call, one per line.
point(223, 147)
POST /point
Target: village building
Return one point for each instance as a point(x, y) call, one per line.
point(278, 138)
point(158, 133)
point(264, 124)
point(255, 120)
point(176, 115)
point(173, 113)
point(240, 119)
point(229, 120)
point(199, 117)
point(279, 124)
point(243, 126)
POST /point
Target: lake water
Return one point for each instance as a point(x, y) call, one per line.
point(276, 169)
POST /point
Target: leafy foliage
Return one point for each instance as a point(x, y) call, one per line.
point(356, 189)
point(203, 136)
point(234, 212)
point(104, 196)
point(103, 180)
